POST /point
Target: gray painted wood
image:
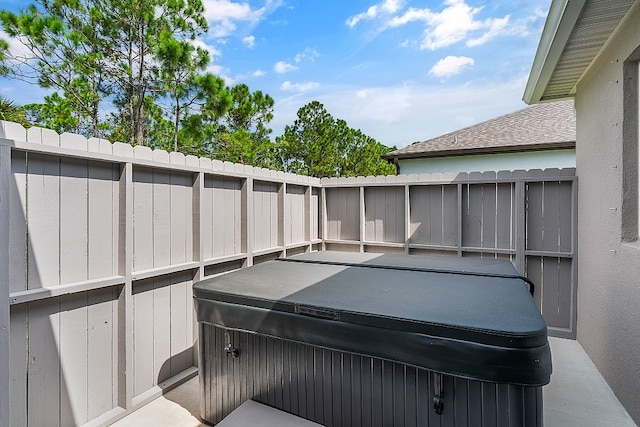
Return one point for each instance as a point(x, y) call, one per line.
point(95, 221)
point(6, 200)
point(73, 220)
point(343, 208)
point(14, 183)
point(43, 195)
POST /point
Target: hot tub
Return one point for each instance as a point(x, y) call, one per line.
point(359, 339)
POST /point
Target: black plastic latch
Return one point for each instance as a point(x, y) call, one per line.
point(438, 400)
point(229, 348)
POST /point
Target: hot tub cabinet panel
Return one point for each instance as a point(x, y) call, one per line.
point(366, 339)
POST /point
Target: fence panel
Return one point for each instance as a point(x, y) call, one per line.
point(431, 220)
point(104, 242)
point(343, 218)
point(384, 214)
point(473, 215)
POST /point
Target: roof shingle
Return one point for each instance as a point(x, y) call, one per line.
point(538, 127)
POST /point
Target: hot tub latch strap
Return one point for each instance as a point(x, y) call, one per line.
point(438, 401)
point(229, 348)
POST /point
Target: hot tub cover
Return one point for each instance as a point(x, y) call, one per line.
point(469, 317)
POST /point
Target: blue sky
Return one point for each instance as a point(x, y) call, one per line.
point(399, 70)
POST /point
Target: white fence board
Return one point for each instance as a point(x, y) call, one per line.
point(73, 220)
point(297, 215)
point(43, 196)
point(17, 223)
point(142, 219)
point(101, 351)
point(72, 348)
point(143, 345)
point(43, 384)
point(18, 366)
point(161, 218)
point(103, 209)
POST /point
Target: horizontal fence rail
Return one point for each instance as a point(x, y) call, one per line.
point(104, 242)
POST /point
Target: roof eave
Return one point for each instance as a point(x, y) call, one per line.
point(562, 18)
point(561, 145)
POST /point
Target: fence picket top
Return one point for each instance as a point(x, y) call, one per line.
point(73, 141)
point(462, 176)
point(142, 152)
point(239, 168)
point(103, 145)
point(228, 166)
point(424, 177)
point(552, 172)
point(191, 160)
point(122, 149)
point(43, 136)
point(504, 175)
point(11, 130)
point(402, 178)
point(217, 165)
point(519, 173)
point(535, 173)
point(413, 177)
point(475, 176)
point(249, 170)
point(568, 172)
point(280, 175)
point(489, 175)
point(160, 156)
point(205, 163)
point(177, 158)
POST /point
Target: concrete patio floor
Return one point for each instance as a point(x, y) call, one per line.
point(577, 396)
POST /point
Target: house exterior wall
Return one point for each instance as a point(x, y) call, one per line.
point(560, 159)
point(609, 267)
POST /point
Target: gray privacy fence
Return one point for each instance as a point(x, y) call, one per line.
point(100, 246)
point(528, 217)
point(101, 243)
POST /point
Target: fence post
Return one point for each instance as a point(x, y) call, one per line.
point(323, 217)
point(247, 218)
point(362, 221)
point(282, 217)
point(520, 225)
point(407, 218)
point(5, 353)
point(125, 300)
point(198, 249)
point(459, 224)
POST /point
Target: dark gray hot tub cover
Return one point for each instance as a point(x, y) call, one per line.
point(468, 317)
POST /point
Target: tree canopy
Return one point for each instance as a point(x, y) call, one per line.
point(321, 146)
point(133, 71)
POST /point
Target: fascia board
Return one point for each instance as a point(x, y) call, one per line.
point(562, 18)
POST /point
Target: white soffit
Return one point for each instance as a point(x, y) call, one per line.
point(574, 34)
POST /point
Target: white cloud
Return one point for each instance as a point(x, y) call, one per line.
point(282, 67)
point(309, 54)
point(405, 113)
point(496, 27)
point(249, 41)
point(222, 15)
point(213, 52)
point(455, 23)
point(450, 66)
point(386, 7)
point(299, 87)
point(258, 73)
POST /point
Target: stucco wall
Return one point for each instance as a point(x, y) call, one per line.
point(491, 162)
point(608, 269)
